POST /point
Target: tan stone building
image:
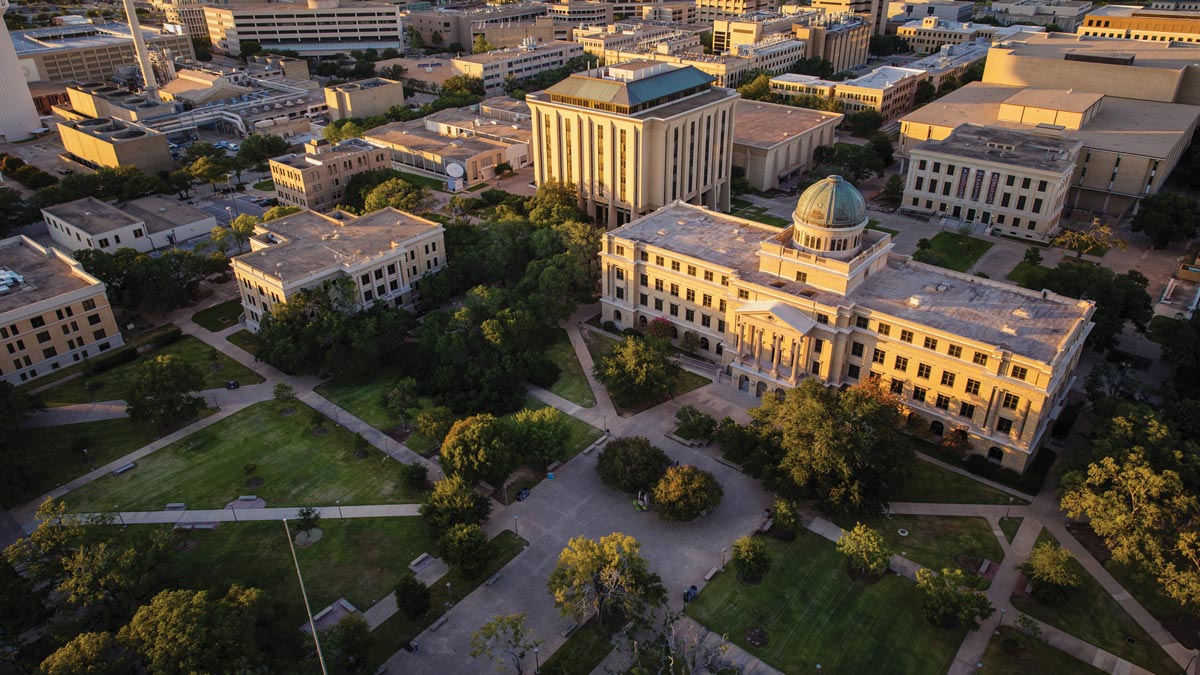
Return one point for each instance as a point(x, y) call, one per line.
point(314, 27)
point(889, 90)
point(709, 10)
point(141, 224)
point(930, 34)
point(517, 62)
point(671, 12)
point(52, 312)
point(1014, 181)
point(317, 179)
point(87, 52)
point(871, 11)
point(841, 39)
point(951, 61)
point(599, 40)
point(363, 98)
point(827, 299)
point(90, 144)
point(1134, 22)
point(504, 26)
point(634, 137)
point(775, 143)
point(385, 254)
point(1066, 14)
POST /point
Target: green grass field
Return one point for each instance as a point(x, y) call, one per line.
point(247, 341)
point(815, 613)
point(1026, 275)
point(933, 541)
point(958, 251)
point(1042, 659)
point(1092, 615)
point(265, 185)
point(873, 224)
point(744, 209)
point(584, 650)
point(599, 345)
point(572, 384)
point(219, 317)
point(362, 395)
point(62, 373)
point(114, 384)
point(205, 470)
point(417, 179)
point(930, 483)
point(1009, 527)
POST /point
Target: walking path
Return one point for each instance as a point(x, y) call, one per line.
point(231, 515)
point(76, 414)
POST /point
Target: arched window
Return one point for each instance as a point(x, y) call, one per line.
point(937, 428)
point(642, 321)
point(616, 316)
point(995, 454)
point(704, 343)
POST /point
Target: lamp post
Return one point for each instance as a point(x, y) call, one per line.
point(120, 515)
point(516, 529)
point(1009, 509)
point(449, 596)
point(339, 505)
point(978, 666)
point(537, 664)
point(723, 552)
point(606, 423)
point(1003, 611)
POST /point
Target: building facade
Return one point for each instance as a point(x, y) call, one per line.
point(317, 179)
point(711, 10)
point(363, 98)
point(931, 33)
point(951, 61)
point(90, 144)
point(871, 11)
point(88, 52)
point(841, 39)
point(518, 62)
point(774, 144)
point(1138, 23)
point(635, 136)
point(889, 90)
point(949, 10)
point(503, 26)
point(384, 254)
point(1066, 14)
point(316, 27)
point(52, 312)
point(141, 224)
point(827, 299)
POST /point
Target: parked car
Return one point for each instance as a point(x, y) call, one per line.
point(232, 384)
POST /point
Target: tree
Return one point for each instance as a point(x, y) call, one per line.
point(285, 394)
point(539, 435)
point(1033, 256)
point(465, 548)
point(414, 37)
point(453, 502)
point(685, 492)
point(637, 370)
point(855, 163)
point(669, 647)
point(893, 191)
point(412, 596)
point(307, 519)
point(436, 38)
point(463, 84)
point(881, 143)
point(435, 422)
point(400, 397)
point(865, 550)
point(863, 122)
point(248, 48)
point(502, 170)
point(751, 559)
point(631, 464)
point(506, 641)
point(482, 45)
point(758, 89)
point(277, 212)
point(1052, 571)
point(1167, 218)
point(209, 170)
point(398, 194)
point(1096, 236)
point(477, 448)
point(116, 573)
point(602, 576)
point(839, 446)
point(693, 424)
point(346, 645)
point(240, 230)
point(926, 93)
point(952, 598)
point(256, 149)
point(161, 391)
point(88, 654)
point(554, 203)
point(1119, 298)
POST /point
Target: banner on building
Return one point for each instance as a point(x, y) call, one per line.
point(991, 195)
point(978, 185)
point(962, 182)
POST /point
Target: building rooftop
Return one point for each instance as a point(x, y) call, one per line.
point(474, 123)
point(1145, 53)
point(45, 273)
point(92, 215)
point(360, 85)
point(647, 81)
point(308, 243)
point(811, 80)
point(765, 125)
point(950, 56)
point(36, 40)
point(1008, 146)
point(1066, 100)
point(307, 160)
point(1143, 12)
point(510, 53)
point(164, 213)
point(883, 77)
point(414, 136)
point(990, 312)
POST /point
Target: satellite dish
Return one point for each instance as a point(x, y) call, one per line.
point(454, 170)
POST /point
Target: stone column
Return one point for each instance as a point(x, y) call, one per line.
point(794, 360)
point(758, 338)
point(776, 343)
point(738, 339)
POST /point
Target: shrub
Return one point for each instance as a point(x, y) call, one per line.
point(1052, 572)
point(751, 558)
point(412, 596)
point(685, 492)
point(952, 598)
point(453, 502)
point(694, 425)
point(464, 548)
point(166, 338)
point(864, 550)
point(610, 327)
point(631, 464)
point(109, 361)
point(543, 372)
point(414, 476)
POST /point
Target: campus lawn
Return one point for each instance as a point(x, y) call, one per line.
point(1148, 593)
point(744, 209)
point(1042, 659)
point(600, 345)
point(958, 251)
point(932, 484)
point(62, 373)
point(1009, 527)
point(417, 179)
point(873, 224)
point(585, 649)
point(933, 541)
point(572, 384)
point(362, 395)
point(206, 470)
point(1027, 275)
point(247, 341)
point(267, 185)
point(815, 613)
point(1092, 615)
point(115, 383)
point(51, 456)
point(220, 316)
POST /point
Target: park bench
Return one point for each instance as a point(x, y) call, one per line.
point(346, 605)
point(553, 466)
point(439, 623)
point(493, 579)
point(730, 464)
point(418, 560)
point(569, 629)
point(318, 615)
point(204, 526)
point(176, 506)
point(768, 525)
point(247, 498)
point(122, 469)
point(712, 573)
point(984, 567)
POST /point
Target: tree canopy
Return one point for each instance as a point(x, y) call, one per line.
point(1119, 298)
point(1167, 218)
point(161, 391)
point(638, 370)
point(631, 464)
point(604, 576)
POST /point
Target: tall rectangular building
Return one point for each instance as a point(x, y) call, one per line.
point(634, 137)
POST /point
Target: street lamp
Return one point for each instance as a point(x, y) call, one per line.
point(978, 666)
point(1003, 611)
point(516, 529)
point(449, 596)
point(723, 552)
point(537, 664)
point(339, 505)
point(1007, 510)
point(605, 423)
point(120, 515)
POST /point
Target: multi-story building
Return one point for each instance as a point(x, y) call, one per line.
point(384, 254)
point(710, 10)
point(518, 62)
point(1014, 181)
point(503, 26)
point(774, 144)
point(190, 13)
point(951, 61)
point(826, 298)
point(671, 12)
point(571, 13)
point(890, 90)
point(725, 70)
point(752, 28)
point(1066, 14)
point(634, 137)
point(794, 84)
point(87, 52)
point(628, 9)
point(52, 312)
point(871, 11)
point(841, 39)
point(1129, 147)
point(317, 179)
point(903, 11)
point(599, 40)
point(1138, 23)
point(18, 112)
point(141, 224)
point(315, 27)
point(931, 33)
point(363, 98)
point(90, 144)
point(1175, 4)
point(774, 54)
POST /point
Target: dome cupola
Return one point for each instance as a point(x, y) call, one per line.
point(829, 219)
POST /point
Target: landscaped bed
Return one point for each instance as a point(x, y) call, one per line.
point(585, 649)
point(1027, 275)
point(210, 468)
point(572, 384)
point(958, 251)
point(814, 612)
point(934, 541)
point(599, 345)
point(219, 317)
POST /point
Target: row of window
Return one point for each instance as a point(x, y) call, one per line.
point(921, 394)
point(63, 313)
point(52, 352)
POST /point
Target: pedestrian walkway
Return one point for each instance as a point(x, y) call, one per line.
point(79, 413)
point(230, 515)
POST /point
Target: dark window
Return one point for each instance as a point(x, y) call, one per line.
point(901, 363)
point(967, 410)
point(947, 379)
point(43, 336)
point(1003, 425)
point(37, 322)
point(93, 319)
point(919, 394)
point(878, 356)
point(852, 372)
point(861, 322)
point(943, 402)
point(856, 349)
point(897, 386)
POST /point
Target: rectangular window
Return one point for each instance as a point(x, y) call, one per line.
point(856, 349)
point(721, 305)
point(620, 293)
point(675, 290)
point(878, 356)
point(906, 336)
point(37, 322)
point(823, 318)
point(691, 270)
point(955, 351)
point(1041, 186)
point(690, 295)
point(99, 335)
point(658, 304)
point(1019, 372)
point(720, 328)
point(897, 386)
point(1026, 182)
point(645, 280)
point(708, 276)
point(675, 265)
point(930, 343)
point(1010, 401)
point(620, 250)
point(644, 299)
point(861, 322)
point(705, 320)
point(902, 363)
point(943, 402)
point(658, 260)
point(980, 359)
point(852, 371)
point(884, 329)
point(802, 277)
point(689, 315)
point(1003, 425)
point(43, 337)
point(674, 309)
point(924, 370)
point(705, 300)
point(620, 274)
point(49, 353)
point(88, 305)
point(919, 394)
point(973, 386)
point(743, 294)
point(658, 285)
point(947, 378)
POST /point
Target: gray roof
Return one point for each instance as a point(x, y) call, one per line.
point(91, 215)
point(634, 92)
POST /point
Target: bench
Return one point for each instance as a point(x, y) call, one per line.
point(346, 605)
point(730, 464)
point(247, 498)
point(486, 487)
point(419, 559)
point(176, 506)
point(439, 623)
point(493, 579)
point(122, 469)
point(318, 615)
point(767, 525)
point(712, 573)
point(571, 628)
point(984, 567)
point(204, 526)
point(553, 466)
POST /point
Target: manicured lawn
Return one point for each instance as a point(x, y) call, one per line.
point(572, 384)
point(933, 541)
point(51, 456)
point(206, 469)
point(600, 345)
point(581, 434)
point(1010, 526)
point(1091, 614)
point(1027, 275)
point(1042, 659)
point(249, 342)
point(760, 215)
point(932, 484)
point(265, 185)
point(417, 179)
point(219, 317)
point(362, 395)
point(873, 224)
point(584, 650)
point(130, 341)
point(1146, 590)
point(114, 384)
point(958, 251)
point(815, 613)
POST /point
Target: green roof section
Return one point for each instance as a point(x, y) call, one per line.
point(633, 92)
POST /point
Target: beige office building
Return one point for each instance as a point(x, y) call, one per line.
point(190, 13)
point(599, 40)
point(634, 137)
point(90, 144)
point(87, 52)
point(363, 98)
point(1014, 181)
point(841, 39)
point(671, 12)
point(889, 90)
point(747, 30)
point(871, 11)
point(711, 10)
point(1134, 22)
point(517, 62)
point(385, 254)
point(317, 179)
point(315, 27)
point(827, 299)
point(503, 26)
point(774, 144)
point(1066, 14)
point(951, 61)
point(931, 33)
point(571, 13)
point(52, 312)
point(141, 224)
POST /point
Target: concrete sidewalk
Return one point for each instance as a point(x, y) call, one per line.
point(76, 414)
point(229, 515)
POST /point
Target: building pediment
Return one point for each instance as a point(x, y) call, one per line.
point(777, 312)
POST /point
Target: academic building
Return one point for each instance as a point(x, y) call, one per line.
point(385, 254)
point(1138, 23)
point(634, 137)
point(52, 312)
point(826, 298)
point(317, 178)
point(775, 143)
point(313, 27)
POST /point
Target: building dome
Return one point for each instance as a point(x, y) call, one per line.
point(830, 203)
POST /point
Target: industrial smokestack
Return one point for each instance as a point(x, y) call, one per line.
point(139, 48)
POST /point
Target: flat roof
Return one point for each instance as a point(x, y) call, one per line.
point(1065, 100)
point(92, 215)
point(956, 55)
point(1147, 54)
point(308, 243)
point(510, 53)
point(1008, 146)
point(797, 78)
point(883, 77)
point(306, 160)
point(413, 135)
point(164, 213)
point(35, 40)
point(768, 124)
point(359, 85)
point(970, 307)
point(588, 86)
point(46, 276)
point(1143, 12)
point(491, 128)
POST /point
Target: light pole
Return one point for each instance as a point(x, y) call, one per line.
point(978, 666)
point(339, 505)
point(537, 664)
point(304, 594)
point(120, 515)
point(449, 596)
point(606, 423)
point(516, 529)
point(723, 552)
point(1009, 509)
point(1003, 611)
